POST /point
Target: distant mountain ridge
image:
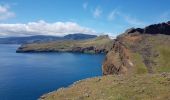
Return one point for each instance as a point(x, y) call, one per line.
point(44, 38)
point(78, 36)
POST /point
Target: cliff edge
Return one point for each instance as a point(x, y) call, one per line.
point(140, 51)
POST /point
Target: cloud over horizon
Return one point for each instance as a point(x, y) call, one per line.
point(43, 28)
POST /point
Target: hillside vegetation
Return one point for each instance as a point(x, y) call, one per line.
point(138, 87)
point(101, 44)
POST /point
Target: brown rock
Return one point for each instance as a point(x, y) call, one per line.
point(117, 60)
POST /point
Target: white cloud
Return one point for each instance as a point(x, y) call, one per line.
point(5, 12)
point(126, 17)
point(97, 12)
point(112, 15)
point(85, 5)
point(43, 28)
point(133, 21)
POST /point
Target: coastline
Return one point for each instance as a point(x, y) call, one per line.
point(115, 87)
point(69, 86)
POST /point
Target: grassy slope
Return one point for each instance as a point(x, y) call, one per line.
point(161, 45)
point(140, 66)
point(99, 42)
point(153, 48)
point(138, 87)
point(164, 59)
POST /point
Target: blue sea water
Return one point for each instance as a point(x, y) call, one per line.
point(26, 76)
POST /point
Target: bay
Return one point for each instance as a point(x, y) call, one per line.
point(27, 76)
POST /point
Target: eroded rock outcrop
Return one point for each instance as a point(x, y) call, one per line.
point(117, 60)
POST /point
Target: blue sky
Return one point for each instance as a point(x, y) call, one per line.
point(95, 16)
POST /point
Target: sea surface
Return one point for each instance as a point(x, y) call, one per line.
point(27, 76)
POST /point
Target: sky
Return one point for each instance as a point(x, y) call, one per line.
point(61, 17)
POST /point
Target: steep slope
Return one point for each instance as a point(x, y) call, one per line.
point(101, 44)
point(140, 51)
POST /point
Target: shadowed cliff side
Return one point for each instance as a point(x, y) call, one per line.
point(120, 62)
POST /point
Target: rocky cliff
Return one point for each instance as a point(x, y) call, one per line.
point(140, 51)
point(117, 60)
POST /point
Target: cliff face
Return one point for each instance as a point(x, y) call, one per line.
point(117, 60)
point(140, 51)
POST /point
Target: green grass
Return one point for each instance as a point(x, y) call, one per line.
point(159, 54)
point(164, 59)
point(137, 87)
point(140, 67)
point(100, 43)
point(89, 52)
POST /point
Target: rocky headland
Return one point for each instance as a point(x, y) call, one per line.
point(100, 44)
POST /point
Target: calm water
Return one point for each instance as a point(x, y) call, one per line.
point(28, 76)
